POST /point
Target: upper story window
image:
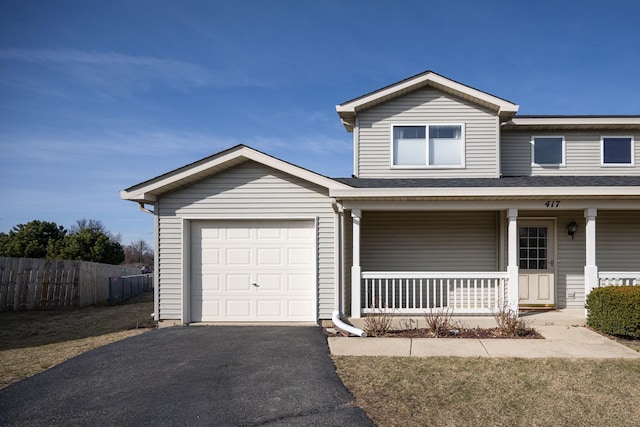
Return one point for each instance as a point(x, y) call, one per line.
point(548, 151)
point(617, 151)
point(428, 146)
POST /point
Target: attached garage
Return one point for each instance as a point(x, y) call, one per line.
point(253, 270)
point(243, 237)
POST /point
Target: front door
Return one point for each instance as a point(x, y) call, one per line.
point(536, 251)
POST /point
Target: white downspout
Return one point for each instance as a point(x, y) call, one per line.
point(346, 328)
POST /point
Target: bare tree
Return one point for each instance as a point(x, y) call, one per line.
point(138, 252)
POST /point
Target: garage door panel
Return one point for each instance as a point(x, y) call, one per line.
point(269, 283)
point(238, 233)
point(299, 282)
point(209, 257)
point(238, 257)
point(228, 257)
point(210, 283)
point(299, 256)
point(270, 256)
point(269, 233)
point(300, 233)
point(237, 282)
point(268, 309)
point(239, 309)
point(298, 308)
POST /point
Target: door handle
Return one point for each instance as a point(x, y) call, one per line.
point(551, 262)
point(255, 284)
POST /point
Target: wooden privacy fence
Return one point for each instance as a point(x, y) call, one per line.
point(39, 284)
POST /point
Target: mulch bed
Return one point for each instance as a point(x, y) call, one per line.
point(477, 333)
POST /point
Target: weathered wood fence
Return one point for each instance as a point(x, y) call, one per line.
point(39, 284)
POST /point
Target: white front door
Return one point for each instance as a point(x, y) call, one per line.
point(537, 262)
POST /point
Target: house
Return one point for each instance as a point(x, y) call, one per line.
point(456, 201)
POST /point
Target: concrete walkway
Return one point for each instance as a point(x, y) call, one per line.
point(563, 331)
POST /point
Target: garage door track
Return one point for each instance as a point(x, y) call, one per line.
point(209, 375)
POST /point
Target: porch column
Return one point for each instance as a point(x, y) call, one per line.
point(355, 268)
point(590, 266)
point(512, 265)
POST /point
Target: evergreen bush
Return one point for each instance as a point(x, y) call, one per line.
point(615, 310)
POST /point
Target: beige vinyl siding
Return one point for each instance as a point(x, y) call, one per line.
point(249, 190)
point(429, 241)
point(618, 240)
point(427, 106)
point(582, 154)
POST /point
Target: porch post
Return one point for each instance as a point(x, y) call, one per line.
point(512, 266)
point(590, 267)
point(355, 268)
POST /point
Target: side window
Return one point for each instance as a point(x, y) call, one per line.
point(548, 151)
point(617, 151)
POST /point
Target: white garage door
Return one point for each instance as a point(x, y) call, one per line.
point(253, 271)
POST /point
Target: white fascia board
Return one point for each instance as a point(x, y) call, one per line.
point(501, 105)
point(152, 189)
point(138, 196)
point(483, 192)
point(541, 121)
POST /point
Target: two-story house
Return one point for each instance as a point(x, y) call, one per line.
point(455, 202)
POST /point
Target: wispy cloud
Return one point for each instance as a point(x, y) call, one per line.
point(121, 73)
point(159, 149)
point(108, 75)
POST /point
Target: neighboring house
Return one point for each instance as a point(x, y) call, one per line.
point(455, 201)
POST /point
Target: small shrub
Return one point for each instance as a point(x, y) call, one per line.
point(615, 310)
point(439, 322)
point(509, 323)
point(378, 323)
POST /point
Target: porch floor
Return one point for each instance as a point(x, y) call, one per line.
point(558, 317)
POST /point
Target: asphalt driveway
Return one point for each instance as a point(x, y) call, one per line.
point(208, 375)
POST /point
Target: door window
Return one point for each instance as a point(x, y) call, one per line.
point(533, 248)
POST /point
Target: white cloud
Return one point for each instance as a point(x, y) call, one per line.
point(117, 64)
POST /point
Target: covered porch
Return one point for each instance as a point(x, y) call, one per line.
point(474, 256)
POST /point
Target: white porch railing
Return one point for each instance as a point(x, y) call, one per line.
point(619, 278)
point(418, 292)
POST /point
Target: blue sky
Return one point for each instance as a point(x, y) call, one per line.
point(96, 96)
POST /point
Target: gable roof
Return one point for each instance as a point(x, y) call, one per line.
point(148, 191)
point(348, 110)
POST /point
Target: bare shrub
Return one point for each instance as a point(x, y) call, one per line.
point(439, 322)
point(509, 323)
point(378, 323)
point(409, 324)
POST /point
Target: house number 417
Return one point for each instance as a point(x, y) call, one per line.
point(552, 203)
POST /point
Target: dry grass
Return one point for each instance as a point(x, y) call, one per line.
point(494, 392)
point(32, 341)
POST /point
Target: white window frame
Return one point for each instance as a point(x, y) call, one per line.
point(563, 163)
point(426, 165)
point(617, 165)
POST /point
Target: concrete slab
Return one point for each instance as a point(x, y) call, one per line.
point(431, 347)
point(352, 346)
point(524, 349)
point(560, 341)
